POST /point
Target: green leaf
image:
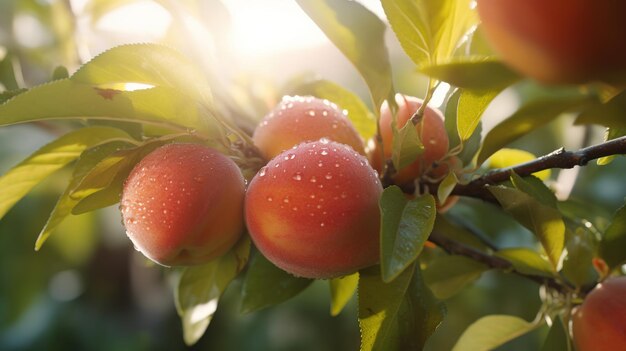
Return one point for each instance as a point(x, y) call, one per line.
point(19, 180)
point(528, 118)
point(419, 316)
point(66, 99)
point(610, 114)
point(534, 187)
point(7, 95)
point(505, 158)
point(527, 261)
point(558, 337)
point(360, 35)
point(430, 30)
point(577, 264)
point(98, 8)
point(405, 227)
point(88, 159)
point(474, 73)
point(472, 104)
point(457, 233)
point(200, 287)
point(150, 64)
point(613, 244)
point(447, 275)
point(8, 66)
point(341, 291)
point(379, 304)
point(358, 113)
point(267, 285)
point(446, 186)
point(490, 332)
point(406, 146)
point(544, 221)
point(470, 146)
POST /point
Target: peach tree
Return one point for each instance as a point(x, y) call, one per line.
point(380, 226)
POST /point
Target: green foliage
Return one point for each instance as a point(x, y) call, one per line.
point(540, 218)
point(406, 146)
point(341, 291)
point(447, 275)
point(474, 73)
point(399, 315)
point(558, 337)
point(406, 225)
point(430, 30)
point(199, 288)
point(267, 285)
point(612, 244)
point(360, 35)
point(490, 332)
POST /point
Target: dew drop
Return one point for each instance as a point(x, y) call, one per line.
point(297, 176)
point(320, 164)
point(328, 176)
point(261, 172)
point(295, 208)
point(312, 196)
point(324, 152)
point(277, 165)
point(164, 211)
point(324, 113)
point(322, 224)
point(311, 113)
point(324, 141)
point(313, 179)
point(344, 195)
point(286, 199)
point(270, 199)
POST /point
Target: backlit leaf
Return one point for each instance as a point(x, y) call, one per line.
point(406, 146)
point(505, 158)
point(200, 287)
point(65, 99)
point(492, 331)
point(472, 104)
point(430, 30)
point(478, 74)
point(527, 261)
point(19, 180)
point(360, 35)
point(341, 291)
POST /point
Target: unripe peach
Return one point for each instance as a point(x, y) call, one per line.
point(300, 119)
point(313, 210)
point(599, 324)
point(558, 41)
point(431, 131)
point(183, 204)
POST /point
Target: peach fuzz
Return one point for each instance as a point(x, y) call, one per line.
point(313, 210)
point(298, 119)
point(183, 204)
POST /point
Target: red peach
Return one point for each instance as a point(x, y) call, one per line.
point(313, 210)
point(431, 131)
point(558, 41)
point(599, 324)
point(298, 119)
point(183, 204)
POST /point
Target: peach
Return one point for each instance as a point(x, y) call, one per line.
point(298, 119)
point(431, 130)
point(558, 41)
point(182, 204)
point(599, 324)
point(313, 210)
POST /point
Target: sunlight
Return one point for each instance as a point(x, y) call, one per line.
point(154, 23)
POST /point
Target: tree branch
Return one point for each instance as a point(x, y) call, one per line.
point(456, 248)
point(557, 159)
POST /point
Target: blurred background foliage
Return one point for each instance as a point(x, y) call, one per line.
point(89, 290)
